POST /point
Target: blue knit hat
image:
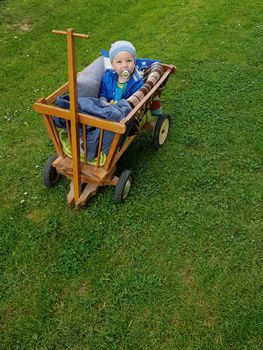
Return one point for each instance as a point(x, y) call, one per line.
point(119, 46)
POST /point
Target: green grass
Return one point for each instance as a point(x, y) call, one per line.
point(179, 264)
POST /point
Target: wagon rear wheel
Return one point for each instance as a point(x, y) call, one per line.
point(50, 175)
point(161, 130)
point(123, 186)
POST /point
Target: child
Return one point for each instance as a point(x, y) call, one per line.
point(123, 79)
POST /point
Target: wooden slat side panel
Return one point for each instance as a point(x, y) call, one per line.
point(53, 135)
point(69, 133)
point(85, 143)
point(83, 118)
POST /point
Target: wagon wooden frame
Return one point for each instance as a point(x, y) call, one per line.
point(85, 178)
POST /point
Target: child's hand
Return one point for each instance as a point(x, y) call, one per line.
point(104, 101)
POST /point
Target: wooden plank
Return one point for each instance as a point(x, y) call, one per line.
point(89, 191)
point(124, 147)
point(60, 91)
point(69, 133)
point(55, 132)
point(99, 148)
point(70, 196)
point(65, 165)
point(56, 144)
point(113, 149)
point(85, 142)
point(169, 67)
point(74, 117)
point(86, 36)
point(83, 118)
point(51, 110)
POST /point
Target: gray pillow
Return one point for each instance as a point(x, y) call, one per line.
point(89, 80)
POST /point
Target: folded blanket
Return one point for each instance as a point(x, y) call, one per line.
point(95, 107)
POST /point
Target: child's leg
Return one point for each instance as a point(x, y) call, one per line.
point(156, 108)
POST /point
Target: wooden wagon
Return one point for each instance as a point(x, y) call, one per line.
point(87, 178)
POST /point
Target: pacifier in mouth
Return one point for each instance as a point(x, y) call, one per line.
point(125, 74)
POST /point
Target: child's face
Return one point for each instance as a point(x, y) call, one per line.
point(124, 60)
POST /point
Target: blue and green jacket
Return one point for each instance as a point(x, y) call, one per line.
point(109, 84)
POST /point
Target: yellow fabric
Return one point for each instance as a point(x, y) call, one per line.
point(146, 118)
point(63, 136)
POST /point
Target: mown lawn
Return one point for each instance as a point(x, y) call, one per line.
point(179, 264)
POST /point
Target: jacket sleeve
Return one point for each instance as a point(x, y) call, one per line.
point(103, 87)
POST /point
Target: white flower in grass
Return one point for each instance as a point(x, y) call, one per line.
point(22, 201)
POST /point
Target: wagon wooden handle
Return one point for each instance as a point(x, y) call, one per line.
point(74, 34)
point(74, 116)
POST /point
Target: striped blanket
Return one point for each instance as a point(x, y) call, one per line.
point(150, 77)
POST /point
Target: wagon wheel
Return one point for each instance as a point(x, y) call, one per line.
point(123, 186)
point(161, 130)
point(50, 176)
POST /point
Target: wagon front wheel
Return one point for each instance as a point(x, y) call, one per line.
point(50, 176)
point(161, 130)
point(123, 186)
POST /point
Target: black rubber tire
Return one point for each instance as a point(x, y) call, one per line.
point(161, 130)
point(123, 186)
point(50, 175)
